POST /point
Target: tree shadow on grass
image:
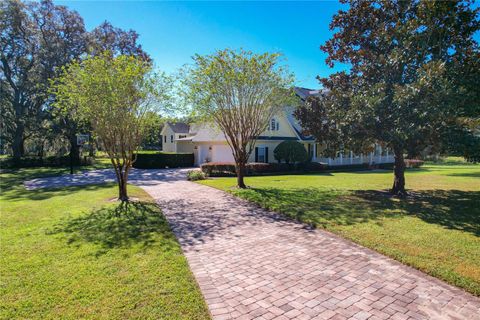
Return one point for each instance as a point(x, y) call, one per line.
point(465, 174)
point(20, 193)
point(452, 209)
point(120, 226)
point(12, 184)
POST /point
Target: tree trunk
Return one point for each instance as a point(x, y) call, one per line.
point(122, 178)
point(122, 191)
point(240, 168)
point(74, 149)
point(41, 150)
point(18, 149)
point(399, 174)
point(91, 152)
point(122, 184)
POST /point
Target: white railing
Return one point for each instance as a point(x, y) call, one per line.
point(356, 159)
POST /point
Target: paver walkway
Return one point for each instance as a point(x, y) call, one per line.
point(252, 264)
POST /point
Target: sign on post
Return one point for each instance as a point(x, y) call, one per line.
point(82, 139)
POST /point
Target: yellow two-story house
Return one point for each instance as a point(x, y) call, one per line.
point(209, 144)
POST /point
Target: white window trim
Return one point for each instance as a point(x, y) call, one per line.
point(274, 125)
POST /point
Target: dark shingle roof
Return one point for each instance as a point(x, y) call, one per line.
point(304, 93)
point(179, 127)
point(296, 125)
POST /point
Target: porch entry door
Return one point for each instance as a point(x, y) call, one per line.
point(202, 154)
point(261, 154)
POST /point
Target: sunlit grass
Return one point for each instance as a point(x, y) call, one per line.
point(73, 253)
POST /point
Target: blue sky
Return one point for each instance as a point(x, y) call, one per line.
point(172, 32)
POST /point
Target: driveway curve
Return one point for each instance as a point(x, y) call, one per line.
point(253, 264)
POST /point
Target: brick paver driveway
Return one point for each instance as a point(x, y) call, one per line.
point(252, 264)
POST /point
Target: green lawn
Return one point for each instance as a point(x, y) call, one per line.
point(71, 253)
point(436, 230)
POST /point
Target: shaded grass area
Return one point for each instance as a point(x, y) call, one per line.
point(437, 229)
point(72, 253)
point(119, 226)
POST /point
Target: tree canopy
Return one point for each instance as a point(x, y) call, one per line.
point(37, 39)
point(116, 95)
point(239, 91)
point(406, 86)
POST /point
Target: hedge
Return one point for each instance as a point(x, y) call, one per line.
point(50, 161)
point(159, 160)
point(226, 169)
point(360, 167)
point(218, 169)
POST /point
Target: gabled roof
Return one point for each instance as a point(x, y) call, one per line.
point(304, 93)
point(296, 126)
point(209, 133)
point(179, 127)
point(205, 133)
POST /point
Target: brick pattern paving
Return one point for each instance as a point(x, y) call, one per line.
point(252, 264)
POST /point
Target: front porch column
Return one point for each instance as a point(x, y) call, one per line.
point(314, 151)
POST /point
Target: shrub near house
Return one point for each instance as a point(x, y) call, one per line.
point(290, 152)
point(195, 175)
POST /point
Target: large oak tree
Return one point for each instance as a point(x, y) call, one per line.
point(405, 88)
point(36, 40)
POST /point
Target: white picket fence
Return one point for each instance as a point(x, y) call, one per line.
point(352, 159)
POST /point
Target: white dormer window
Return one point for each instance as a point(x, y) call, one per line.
point(274, 125)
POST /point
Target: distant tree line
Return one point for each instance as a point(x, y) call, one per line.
point(413, 84)
point(37, 40)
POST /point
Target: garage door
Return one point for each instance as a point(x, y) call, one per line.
point(222, 153)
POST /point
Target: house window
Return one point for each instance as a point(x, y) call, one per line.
point(171, 138)
point(274, 125)
point(182, 136)
point(310, 150)
point(261, 154)
point(165, 139)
